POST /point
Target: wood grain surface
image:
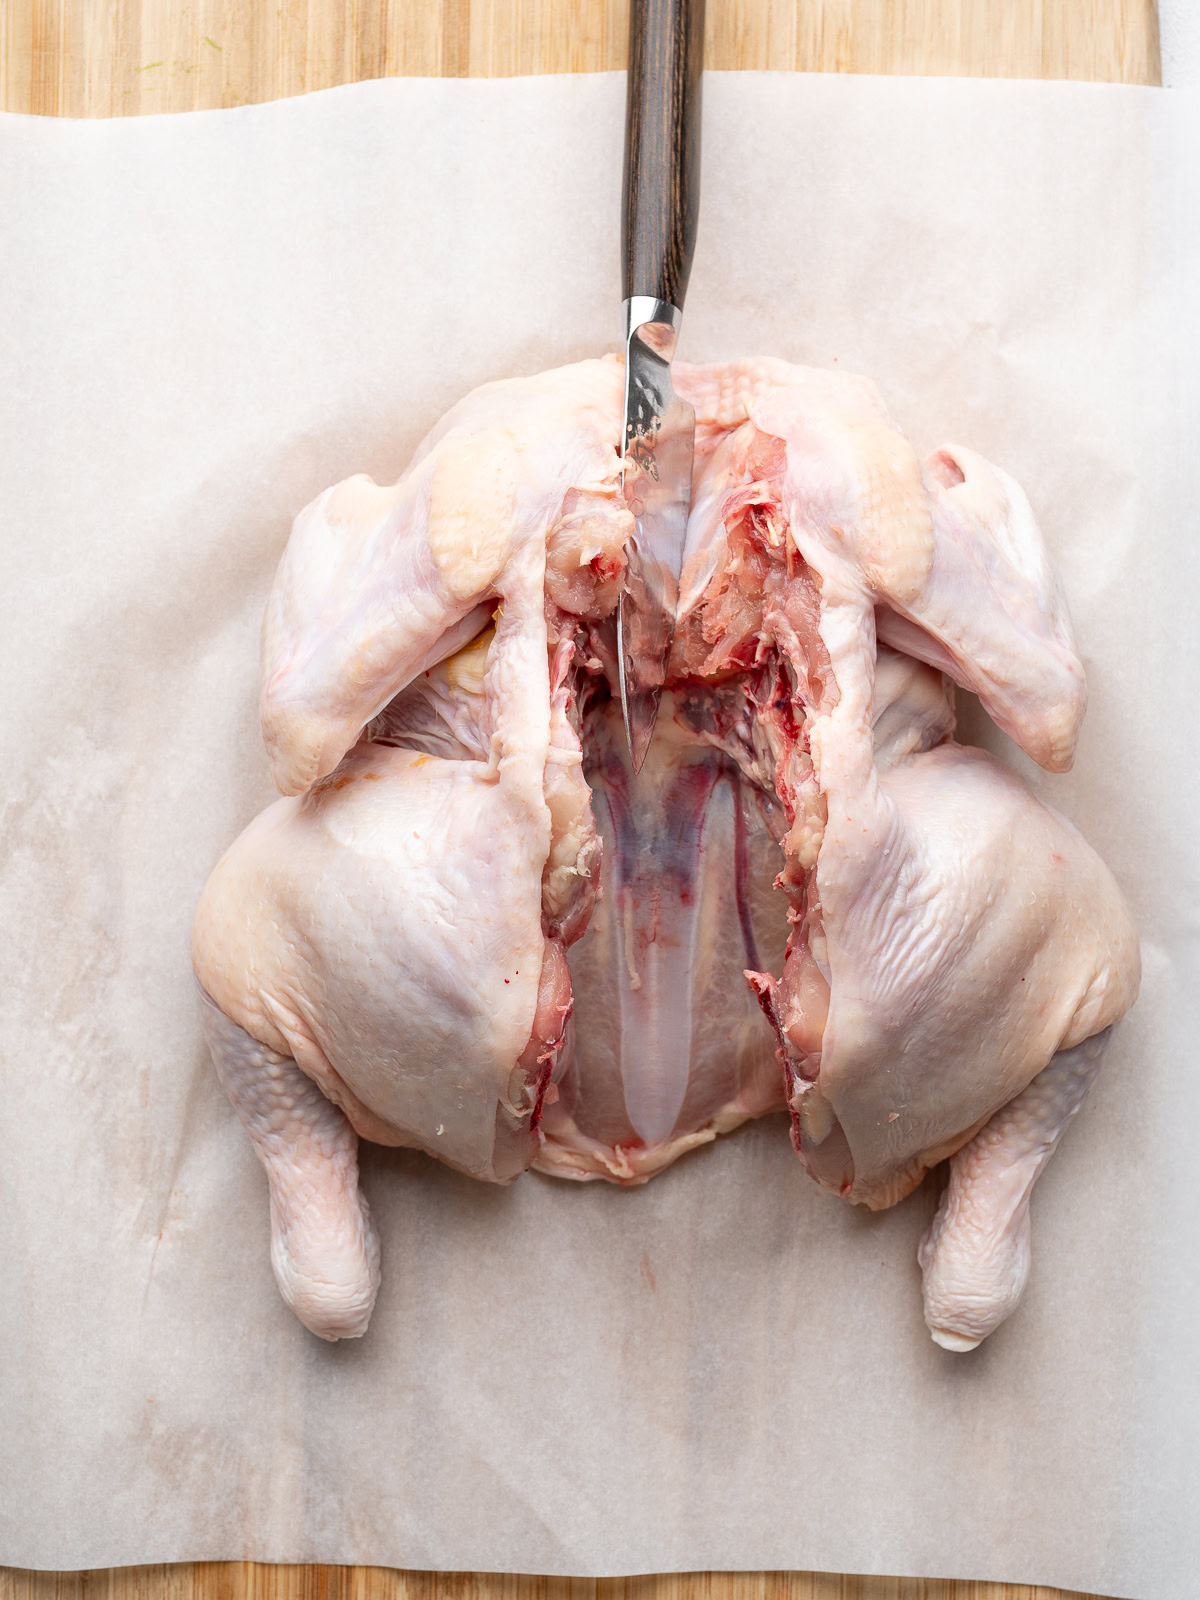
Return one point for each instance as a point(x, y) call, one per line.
point(89, 58)
point(100, 58)
point(245, 1580)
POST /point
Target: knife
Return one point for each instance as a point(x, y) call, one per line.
point(659, 206)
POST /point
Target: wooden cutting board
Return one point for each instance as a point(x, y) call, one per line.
point(98, 58)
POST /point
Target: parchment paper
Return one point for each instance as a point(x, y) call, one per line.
point(208, 318)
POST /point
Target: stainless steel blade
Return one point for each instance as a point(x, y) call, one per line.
point(659, 444)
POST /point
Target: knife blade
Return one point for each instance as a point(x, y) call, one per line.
point(660, 207)
point(657, 485)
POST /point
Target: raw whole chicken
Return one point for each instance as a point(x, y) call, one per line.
point(469, 928)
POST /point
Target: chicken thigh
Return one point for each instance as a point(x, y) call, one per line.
point(470, 928)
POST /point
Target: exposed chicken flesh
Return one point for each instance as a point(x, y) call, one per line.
point(811, 897)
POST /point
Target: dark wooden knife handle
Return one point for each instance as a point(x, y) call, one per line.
point(661, 199)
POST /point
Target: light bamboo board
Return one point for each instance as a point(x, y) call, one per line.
point(99, 58)
point(96, 58)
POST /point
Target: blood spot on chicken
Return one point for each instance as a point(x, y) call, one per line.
point(946, 470)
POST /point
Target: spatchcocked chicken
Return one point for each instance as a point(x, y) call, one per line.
point(470, 929)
